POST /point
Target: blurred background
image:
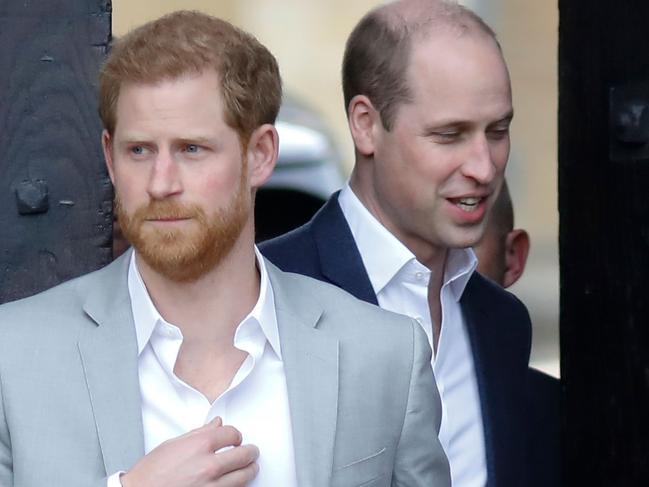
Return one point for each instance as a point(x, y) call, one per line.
point(308, 37)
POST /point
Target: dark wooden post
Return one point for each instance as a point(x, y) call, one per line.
point(55, 197)
point(604, 240)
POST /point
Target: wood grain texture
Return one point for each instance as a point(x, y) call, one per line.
point(50, 138)
point(604, 250)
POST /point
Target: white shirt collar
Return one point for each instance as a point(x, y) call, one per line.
point(384, 255)
point(146, 316)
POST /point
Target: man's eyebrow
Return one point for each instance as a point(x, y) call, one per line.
point(507, 118)
point(452, 123)
point(133, 138)
point(446, 124)
point(142, 139)
point(195, 140)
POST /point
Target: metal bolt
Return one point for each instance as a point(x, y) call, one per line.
point(32, 197)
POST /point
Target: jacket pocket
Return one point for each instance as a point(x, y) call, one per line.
point(362, 471)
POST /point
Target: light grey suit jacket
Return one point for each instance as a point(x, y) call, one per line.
point(361, 394)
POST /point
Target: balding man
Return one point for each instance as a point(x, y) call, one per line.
point(429, 106)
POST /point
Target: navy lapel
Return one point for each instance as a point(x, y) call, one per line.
point(340, 261)
point(310, 359)
point(500, 375)
point(108, 350)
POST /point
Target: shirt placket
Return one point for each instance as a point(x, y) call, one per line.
point(415, 283)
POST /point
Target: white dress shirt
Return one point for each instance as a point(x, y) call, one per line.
point(255, 402)
point(400, 283)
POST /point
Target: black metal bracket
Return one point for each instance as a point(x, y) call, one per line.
point(629, 121)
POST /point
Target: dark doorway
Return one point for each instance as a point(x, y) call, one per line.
point(604, 241)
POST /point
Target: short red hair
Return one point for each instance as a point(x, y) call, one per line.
point(187, 42)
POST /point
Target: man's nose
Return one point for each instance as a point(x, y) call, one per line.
point(479, 164)
point(164, 179)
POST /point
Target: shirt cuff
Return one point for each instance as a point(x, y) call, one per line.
point(113, 480)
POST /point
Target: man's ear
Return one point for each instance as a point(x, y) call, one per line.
point(517, 248)
point(362, 119)
point(106, 145)
point(262, 153)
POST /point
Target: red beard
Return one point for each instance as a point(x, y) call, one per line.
point(184, 255)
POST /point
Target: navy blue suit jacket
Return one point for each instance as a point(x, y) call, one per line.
point(498, 326)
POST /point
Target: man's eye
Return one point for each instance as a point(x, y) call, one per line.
point(498, 134)
point(192, 148)
point(138, 150)
point(446, 137)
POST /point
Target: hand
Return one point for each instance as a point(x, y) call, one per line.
point(190, 460)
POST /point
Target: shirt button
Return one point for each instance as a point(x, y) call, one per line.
point(419, 276)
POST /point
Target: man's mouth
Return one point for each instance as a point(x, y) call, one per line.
point(468, 204)
point(167, 219)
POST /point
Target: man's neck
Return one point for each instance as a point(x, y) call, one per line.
point(211, 307)
point(434, 258)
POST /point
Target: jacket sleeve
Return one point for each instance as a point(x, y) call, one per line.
point(420, 459)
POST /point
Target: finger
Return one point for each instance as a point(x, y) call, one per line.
point(211, 437)
point(234, 459)
point(239, 477)
point(217, 422)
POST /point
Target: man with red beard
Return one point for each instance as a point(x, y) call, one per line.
point(129, 375)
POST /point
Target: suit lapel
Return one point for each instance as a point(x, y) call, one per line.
point(340, 260)
point(311, 366)
point(108, 350)
point(499, 385)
